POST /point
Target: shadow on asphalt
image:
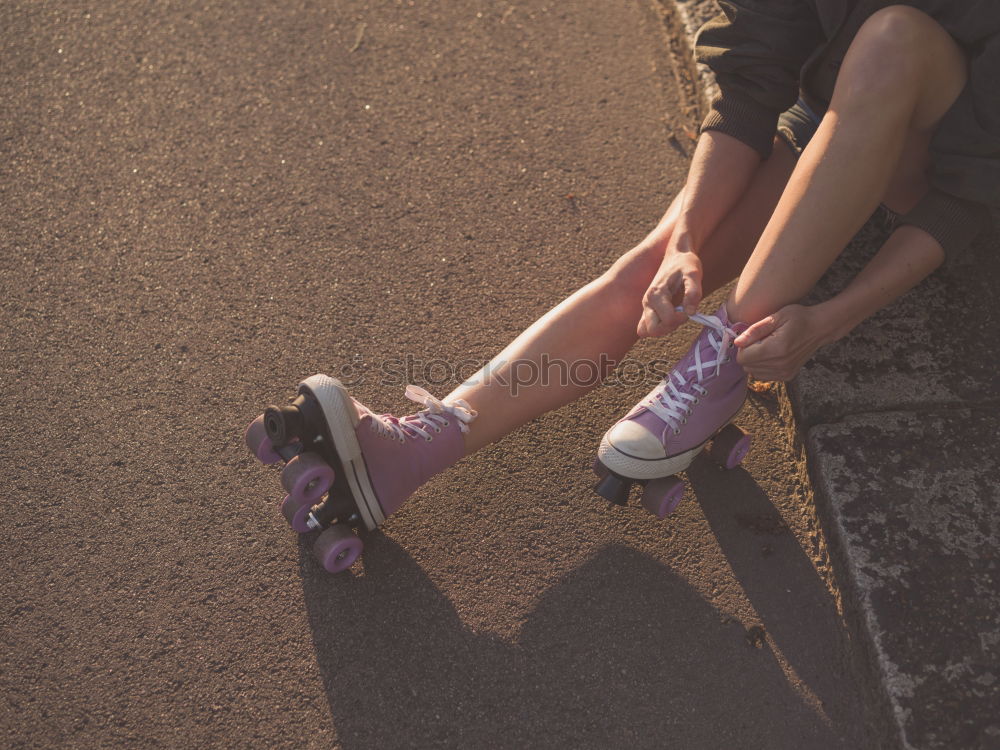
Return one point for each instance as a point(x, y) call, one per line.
point(797, 613)
point(621, 652)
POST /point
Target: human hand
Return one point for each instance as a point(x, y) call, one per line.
point(776, 347)
point(677, 283)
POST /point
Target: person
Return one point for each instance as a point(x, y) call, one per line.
point(825, 110)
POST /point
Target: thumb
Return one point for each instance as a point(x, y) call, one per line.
point(692, 294)
point(758, 331)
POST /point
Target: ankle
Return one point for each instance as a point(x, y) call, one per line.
point(742, 313)
point(733, 312)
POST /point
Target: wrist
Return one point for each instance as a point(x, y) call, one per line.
point(683, 240)
point(835, 319)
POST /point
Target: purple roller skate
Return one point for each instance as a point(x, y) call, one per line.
point(662, 435)
point(347, 467)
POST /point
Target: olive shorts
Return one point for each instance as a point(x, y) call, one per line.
point(797, 126)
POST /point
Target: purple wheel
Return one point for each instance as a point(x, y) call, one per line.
point(662, 496)
point(730, 447)
point(598, 468)
point(296, 512)
point(337, 548)
point(307, 477)
point(259, 443)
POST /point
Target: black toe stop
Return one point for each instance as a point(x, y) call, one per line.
point(614, 488)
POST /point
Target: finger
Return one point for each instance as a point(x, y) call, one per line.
point(674, 289)
point(650, 321)
point(745, 359)
point(759, 330)
point(658, 319)
point(669, 316)
point(647, 321)
point(692, 294)
point(755, 357)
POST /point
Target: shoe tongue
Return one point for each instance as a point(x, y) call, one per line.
point(722, 315)
point(411, 421)
point(386, 419)
point(708, 353)
point(405, 420)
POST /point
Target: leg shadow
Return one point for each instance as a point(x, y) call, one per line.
point(621, 652)
point(796, 609)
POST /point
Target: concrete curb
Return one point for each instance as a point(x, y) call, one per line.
point(897, 422)
point(691, 15)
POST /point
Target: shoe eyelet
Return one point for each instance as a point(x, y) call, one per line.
point(446, 423)
point(684, 421)
point(677, 431)
point(438, 430)
point(428, 438)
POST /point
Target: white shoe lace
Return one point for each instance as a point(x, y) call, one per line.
point(668, 401)
point(432, 418)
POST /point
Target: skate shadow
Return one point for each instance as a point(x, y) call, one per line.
point(796, 610)
point(621, 652)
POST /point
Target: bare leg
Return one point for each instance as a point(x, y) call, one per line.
point(900, 76)
point(596, 326)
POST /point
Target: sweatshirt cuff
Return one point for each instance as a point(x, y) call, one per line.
point(952, 221)
point(743, 119)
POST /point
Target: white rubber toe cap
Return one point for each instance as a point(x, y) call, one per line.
point(634, 440)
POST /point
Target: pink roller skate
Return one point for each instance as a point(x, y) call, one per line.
point(662, 435)
point(347, 468)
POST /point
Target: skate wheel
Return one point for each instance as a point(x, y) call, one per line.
point(337, 548)
point(614, 488)
point(662, 496)
point(259, 443)
point(296, 512)
point(599, 469)
point(730, 447)
point(307, 477)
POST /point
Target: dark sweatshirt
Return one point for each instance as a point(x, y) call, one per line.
point(765, 52)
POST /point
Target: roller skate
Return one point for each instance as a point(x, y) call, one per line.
point(347, 468)
point(693, 405)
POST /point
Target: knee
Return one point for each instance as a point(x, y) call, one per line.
point(899, 26)
point(887, 58)
point(628, 278)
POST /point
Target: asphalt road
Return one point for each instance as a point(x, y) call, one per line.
point(203, 203)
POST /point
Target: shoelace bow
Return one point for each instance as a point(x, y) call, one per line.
point(672, 404)
point(432, 418)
